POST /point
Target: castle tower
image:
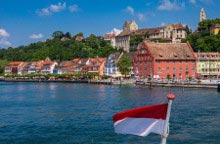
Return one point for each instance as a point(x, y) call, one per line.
point(202, 15)
point(130, 26)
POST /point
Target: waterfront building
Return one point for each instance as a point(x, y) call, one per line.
point(14, 67)
point(165, 60)
point(64, 67)
point(96, 65)
point(111, 65)
point(208, 64)
point(80, 65)
point(48, 66)
point(25, 68)
point(35, 67)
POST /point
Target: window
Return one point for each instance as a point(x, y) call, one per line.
point(158, 69)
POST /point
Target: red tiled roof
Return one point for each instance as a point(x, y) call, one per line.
point(163, 51)
point(14, 64)
point(142, 31)
point(109, 35)
point(178, 26)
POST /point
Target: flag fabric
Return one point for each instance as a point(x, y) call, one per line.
point(141, 121)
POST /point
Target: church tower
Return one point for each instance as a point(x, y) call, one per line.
point(202, 15)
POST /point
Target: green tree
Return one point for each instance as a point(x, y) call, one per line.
point(92, 41)
point(125, 65)
point(3, 63)
point(57, 34)
point(68, 35)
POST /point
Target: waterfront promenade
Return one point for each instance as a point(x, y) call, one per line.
point(187, 84)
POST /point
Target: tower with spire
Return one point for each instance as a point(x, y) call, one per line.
point(202, 15)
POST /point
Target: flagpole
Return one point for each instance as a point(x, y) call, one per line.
point(170, 98)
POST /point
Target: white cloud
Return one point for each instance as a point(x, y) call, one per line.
point(141, 16)
point(53, 8)
point(115, 31)
point(36, 36)
point(73, 8)
point(130, 10)
point(4, 33)
point(43, 12)
point(58, 7)
point(5, 42)
point(3, 37)
point(168, 5)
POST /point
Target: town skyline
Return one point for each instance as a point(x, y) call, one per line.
point(32, 23)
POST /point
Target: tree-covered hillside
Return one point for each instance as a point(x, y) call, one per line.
point(60, 47)
point(203, 39)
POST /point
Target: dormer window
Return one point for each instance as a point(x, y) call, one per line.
point(188, 55)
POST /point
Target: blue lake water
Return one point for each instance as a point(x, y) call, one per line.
point(68, 113)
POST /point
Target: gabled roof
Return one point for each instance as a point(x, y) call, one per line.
point(115, 56)
point(170, 51)
point(124, 33)
point(100, 60)
point(148, 31)
point(15, 64)
point(178, 26)
point(75, 60)
point(66, 63)
point(109, 35)
point(80, 60)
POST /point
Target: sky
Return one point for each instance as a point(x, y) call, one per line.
point(27, 21)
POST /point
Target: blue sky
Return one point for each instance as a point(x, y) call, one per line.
point(26, 21)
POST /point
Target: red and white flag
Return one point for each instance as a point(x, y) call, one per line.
point(141, 121)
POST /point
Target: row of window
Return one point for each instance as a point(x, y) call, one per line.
point(174, 69)
point(167, 69)
point(180, 61)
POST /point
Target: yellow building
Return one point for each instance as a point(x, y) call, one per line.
point(208, 64)
point(215, 29)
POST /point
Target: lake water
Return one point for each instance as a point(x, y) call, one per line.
point(68, 113)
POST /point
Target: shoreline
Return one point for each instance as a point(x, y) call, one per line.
point(121, 82)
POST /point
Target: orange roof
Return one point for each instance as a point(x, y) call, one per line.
point(178, 51)
point(178, 26)
point(76, 60)
point(97, 59)
point(109, 35)
point(14, 64)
